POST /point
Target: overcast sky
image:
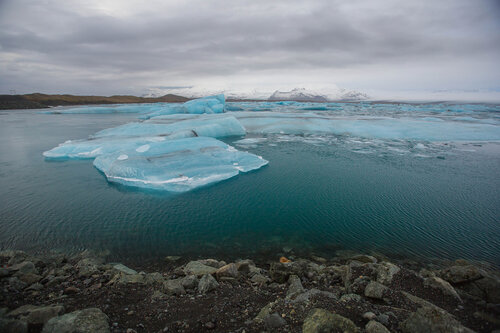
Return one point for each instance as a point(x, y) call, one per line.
point(119, 46)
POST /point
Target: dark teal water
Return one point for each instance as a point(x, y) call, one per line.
point(312, 197)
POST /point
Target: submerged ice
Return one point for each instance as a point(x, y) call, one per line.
point(178, 165)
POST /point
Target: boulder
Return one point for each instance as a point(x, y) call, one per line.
point(432, 320)
point(319, 321)
point(13, 326)
point(259, 279)
point(88, 320)
point(190, 282)
point(88, 267)
point(25, 267)
point(375, 327)
point(306, 295)
point(229, 270)
point(33, 314)
point(295, 287)
point(490, 286)
point(386, 272)
point(461, 274)
point(264, 313)
point(154, 279)
point(198, 268)
point(42, 314)
point(212, 263)
point(375, 290)
point(437, 283)
point(173, 287)
point(207, 283)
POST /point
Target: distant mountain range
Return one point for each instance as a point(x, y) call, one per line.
point(304, 95)
point(329, 94)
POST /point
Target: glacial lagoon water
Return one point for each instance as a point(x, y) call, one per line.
point(402, 179)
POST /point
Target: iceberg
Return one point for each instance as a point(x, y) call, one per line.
point(180, 126)
point(132, 135)
point(209, 104)
point(178, 165)
point(91, 148)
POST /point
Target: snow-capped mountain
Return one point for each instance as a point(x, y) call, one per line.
point(305, 95)
point(329, 94)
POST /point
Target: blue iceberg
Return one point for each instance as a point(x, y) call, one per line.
point(132, 135)
point(178, 127)
point(177, 165)
point(209, 104)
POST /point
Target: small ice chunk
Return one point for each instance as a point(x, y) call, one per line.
point(122, 157)
point(143, 148)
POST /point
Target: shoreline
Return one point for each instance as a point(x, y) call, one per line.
point(352, 292)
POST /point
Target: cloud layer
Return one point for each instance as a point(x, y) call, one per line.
point(106, 47)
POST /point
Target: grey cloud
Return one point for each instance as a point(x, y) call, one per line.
point(171, 44)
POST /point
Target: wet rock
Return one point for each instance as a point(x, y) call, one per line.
point(158, 295)
point(350, 298)
point(13, 326)
point(16, 284)
point(25, 267)
point(207, 283)
point(375, 327)
point(88, 267)
point(306, 296)
point(295, 287)
point(358, 285)
point(375, 290)
point(190, 282)
point(35, 287)
point(280, 272)
point(172, 258)
point(213, 263)
point(14, 256)
point(173, 287)
point(441, 285)
point(88, 320)
point(229, 270)
point(29, 278)
point(33, 314)
point(259, 279)
point(198, 268)
point(264, 312)
point(274, 321)
point(461, 274)
point(54, 281)
point(124, 269)
point(244, 266)
point(319, 321)
point(432, 320)
point(490, 286)
point(386, 272)
point(124, 279)
point(364, 258)
point(41, 315)
point(154, 279)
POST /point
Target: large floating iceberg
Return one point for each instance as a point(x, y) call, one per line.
point(178, 165)
point(132, 135)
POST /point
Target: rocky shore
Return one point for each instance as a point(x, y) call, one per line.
point(346, 293)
